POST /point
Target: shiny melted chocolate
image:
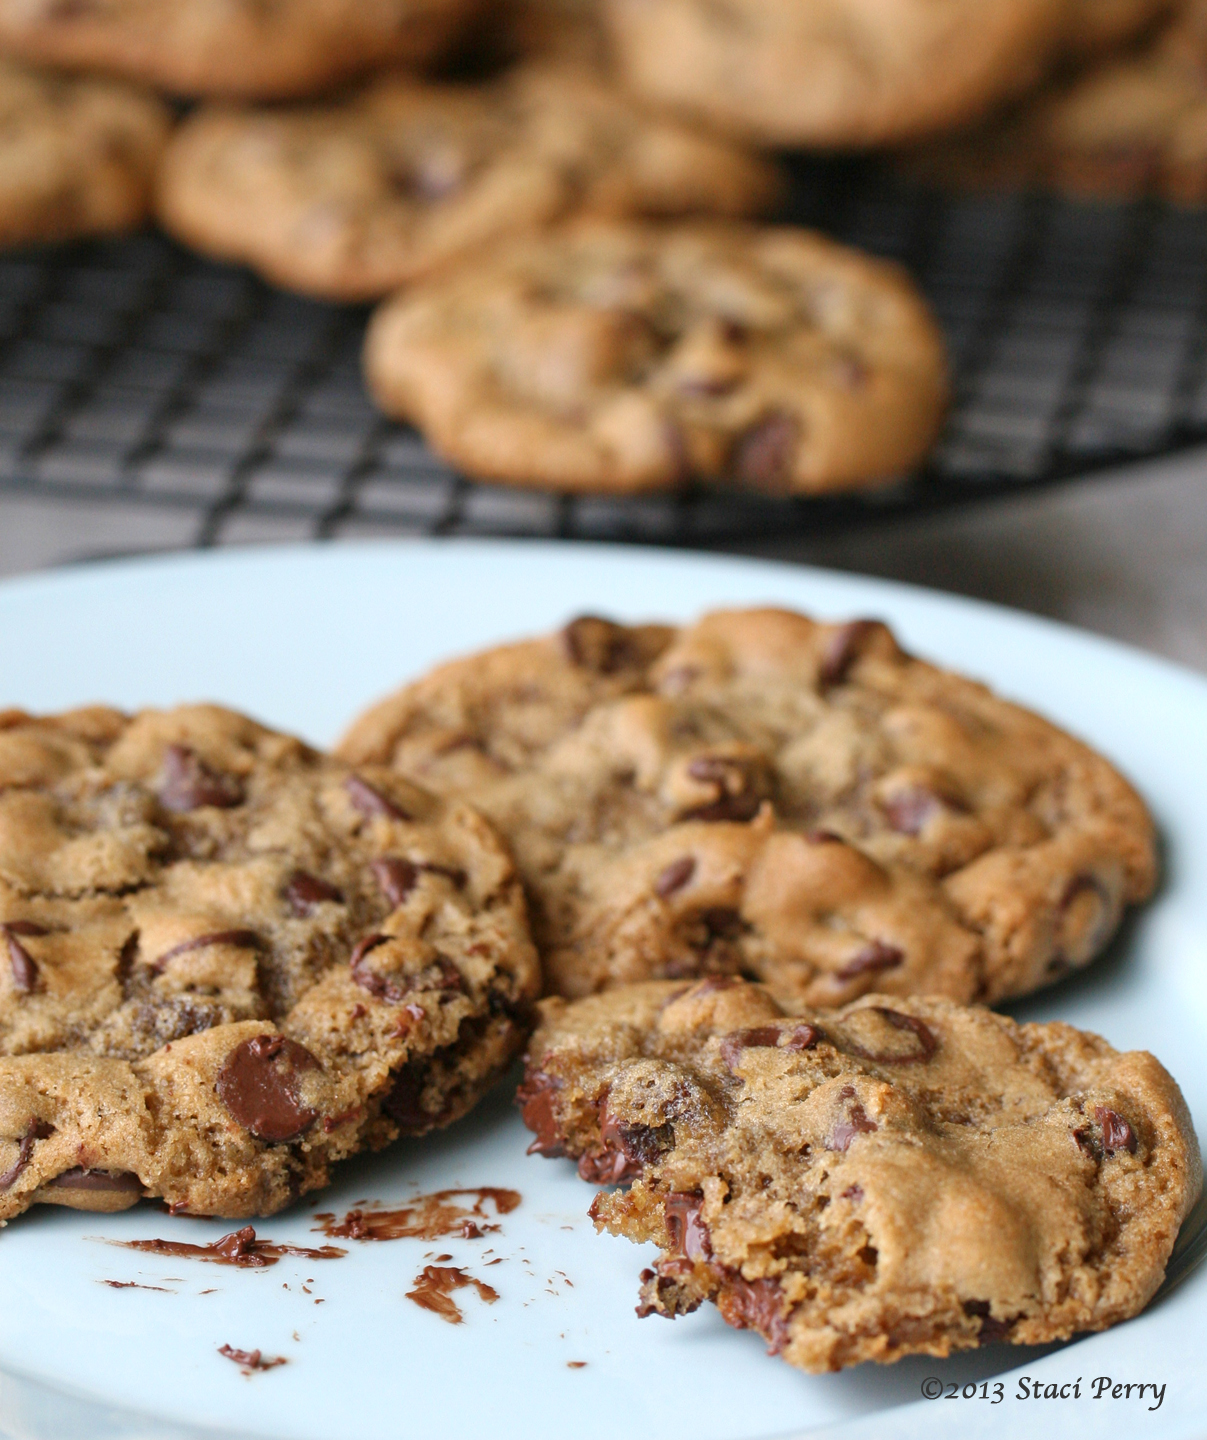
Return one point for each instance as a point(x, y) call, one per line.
point(427, 1217)
point(240, 1247)
point(434, 1288)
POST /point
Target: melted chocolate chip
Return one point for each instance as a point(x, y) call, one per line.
point(241, 939)
point(927, 1041)
point(537, 1099)
point(738, 794)
point(367, 980)
point(28, 928)
point(854, 1122)
point(763, 457)
point(35, 1130)
point(370, 802)
point(258, 1085)
point(189, 783)
point(304, 891)
point(1117, 1134)
point(598, 645)
point(689, 1237)
point(625, 1150)
point(764, 1037)
point(874, 957)
point(396, 878)
point(800, 1037)
point(755, 1305)
point(403, 1104)
point(843, 648)
point(80, 1179)
point(991, 1330)
point(674, 877)
point(22, 964)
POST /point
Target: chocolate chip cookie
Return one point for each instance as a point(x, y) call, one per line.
point(266, 49)
point(352, 201)
point(764, 795)
point(896, 1177)
point(634, 357)
point(1121, 129)
point(227, 962)
point(834, 73)
point(77, 157)
point(1099, 26)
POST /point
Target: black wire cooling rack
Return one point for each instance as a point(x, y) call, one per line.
point(133, 370)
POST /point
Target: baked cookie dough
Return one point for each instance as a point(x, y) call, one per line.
point(897, 1177)
point(1099, 26)
point(77, 157)
point(635, 357)
point(834, 73)
point(256, 49)
point(351, 201)
point(1122, 129)
point(764, 795)
point(227, 962)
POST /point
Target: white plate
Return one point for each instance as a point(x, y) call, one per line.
point(303, 638)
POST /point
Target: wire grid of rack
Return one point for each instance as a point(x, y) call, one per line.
point(131, 369)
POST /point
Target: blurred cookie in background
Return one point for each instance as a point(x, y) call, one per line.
point(1128, 127)
point(834, 73)
point(636, 357)
point(77, 157)
point(351, 201)
point(1098, 26)
point(262, 49)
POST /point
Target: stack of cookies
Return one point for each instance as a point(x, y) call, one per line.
point(562, 204)
point(768, 875)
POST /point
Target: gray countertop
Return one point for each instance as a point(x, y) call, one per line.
point(1124, 554)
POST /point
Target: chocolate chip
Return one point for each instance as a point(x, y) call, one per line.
point(800, 1037)
point(689, 1237)
point(854, 1122)
point(1117, 1134)
point(537, 1099)
point(739, 792)
point(823, 837)
point(367, 980)
point(721, 923)
point(908, 811)
point(763, 1037)
point(675, 876)
point(80, 1179)
point(241, 939)
point(396, 878)
point(35, 1130)
point(927, 1041)
point(843, 648)
point(755, 1305)
point(189, 783)
point(403, 1103)
point(371, 802)
point(875, 956)
point(28, 928)
point(853, 1193)
point(625, 1150)
point(304, 891)
point(763, 457)
point(24, 967)
point(597, 645)
point(991, 1330)
point(258, 1085)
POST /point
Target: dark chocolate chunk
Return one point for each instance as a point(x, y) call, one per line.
point(35, 1130)
point(765, 1037)
point(397, 878)
point(304, 891)
point(689, 1238)
point(598, 645)
point(625, 1150)
point(258, 1085)
point(874, 956)
point(242, 939)
point(80, 1179)
point(991, 1330)
point(739, 793)
point(537, 1099)
point(854, 1122)
point(403, 1104)
point(843, 648)
point(674, 877)
point(763, 457)
point(189, 783)
point(367, 979)
point(755, 1305)
point(371, 802)
point(23, 965)
point(1117, 1134)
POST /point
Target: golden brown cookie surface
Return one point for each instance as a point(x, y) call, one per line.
point(762, 794)
point(895, 1177)
point(226, 961)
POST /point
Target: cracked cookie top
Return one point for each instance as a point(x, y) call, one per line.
point(226, 960)
point(766, 795)
point(893, 1177)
